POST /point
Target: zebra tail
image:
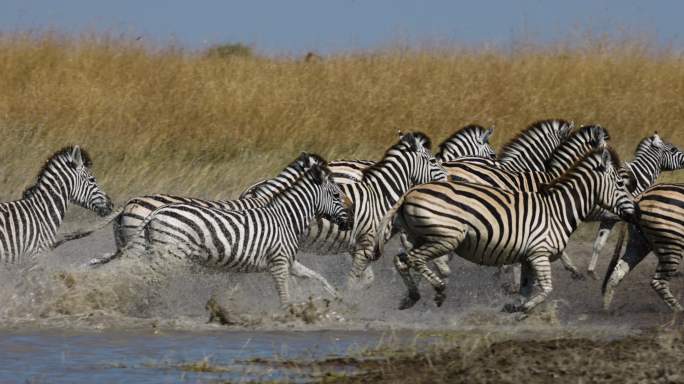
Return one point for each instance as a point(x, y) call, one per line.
point(616, 256)
point(84, 233)
point(385, 229)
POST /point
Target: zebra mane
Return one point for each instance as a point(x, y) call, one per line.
point(406, 142)
point(66, 151)
point(421, 138)
point(475, 128)
point(643, 145)
point(614, 158)
point(576, 135)
point(540, 125)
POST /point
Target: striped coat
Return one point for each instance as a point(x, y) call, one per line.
point(28, 226)
point(492, 226)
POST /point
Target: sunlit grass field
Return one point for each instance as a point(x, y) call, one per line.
point(164, 119)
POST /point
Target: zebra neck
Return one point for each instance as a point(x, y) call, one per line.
point(571, 201)
point(296, 206)
point(565, 156)
point(646, 168)
point(51, 201)
point(389, 185)
point(279, 183)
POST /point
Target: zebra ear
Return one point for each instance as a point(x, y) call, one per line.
point(76, 157)
point(319, 175)
point(487, 133)
point(606, 159)
point(657, 141)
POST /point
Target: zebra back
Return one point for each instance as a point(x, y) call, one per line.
point(471, 140)
point(564, 157)
point(129, 222)
point(530, 149)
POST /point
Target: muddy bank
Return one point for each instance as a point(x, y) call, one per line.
point(653, 357)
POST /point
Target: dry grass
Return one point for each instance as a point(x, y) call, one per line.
point(168, 120)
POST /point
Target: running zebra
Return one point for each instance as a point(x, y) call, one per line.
point(251, 240)
point(651, 157)
point(129, 222)
point(492, 226)
point(406, 164)
point(28, 226)
point(570, 151)
point(660, 229)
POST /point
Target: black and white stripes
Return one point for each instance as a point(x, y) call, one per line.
point(29, 225)
point(249, 240)
point(492, 226)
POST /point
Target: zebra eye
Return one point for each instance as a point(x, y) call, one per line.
point(91, 179)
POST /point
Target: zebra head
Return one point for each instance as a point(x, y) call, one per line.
point(425, 167)
point(612, 193)
point(471, 140)
point(672, 157)
point(84, 190)
point(294, 170)
point(333, 204)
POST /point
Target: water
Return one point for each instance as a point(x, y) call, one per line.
point(48, 356)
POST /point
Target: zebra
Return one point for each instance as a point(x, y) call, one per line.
point(563, 158)
point(651, 157)
point(128, 222)
point(471, 141)
point(660, 229)
point(493, 226)
point(406, 164)
point(251, 240)
point(28, 226)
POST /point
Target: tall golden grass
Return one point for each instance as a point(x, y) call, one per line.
point(168, 120)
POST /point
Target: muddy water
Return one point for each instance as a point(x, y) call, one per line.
point(119, 324)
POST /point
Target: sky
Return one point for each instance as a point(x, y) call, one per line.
point(294, 27)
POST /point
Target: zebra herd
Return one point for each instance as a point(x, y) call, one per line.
point(515, 208)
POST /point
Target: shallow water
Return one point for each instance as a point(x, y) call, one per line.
point(63, 322)
point(144, 357)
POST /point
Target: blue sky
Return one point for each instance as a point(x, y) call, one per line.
point(298, 26)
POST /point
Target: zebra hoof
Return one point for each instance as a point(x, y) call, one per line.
point(409, 301)
point(580, 276)
point(593, 274)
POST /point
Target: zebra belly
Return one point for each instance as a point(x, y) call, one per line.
point(486, 251)
point(326, 237)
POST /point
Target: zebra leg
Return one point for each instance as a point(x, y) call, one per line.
point(527, 279)
point(637, 249)
point(667, 266)
point(361, 274)
point(280, 270)
point(541, 265)
point(417, 260)
point(299, 270)
point(413, 295)
point(442, 266)
point(599, 243)
point(570, 267)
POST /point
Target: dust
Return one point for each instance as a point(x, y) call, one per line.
point(58, 289)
